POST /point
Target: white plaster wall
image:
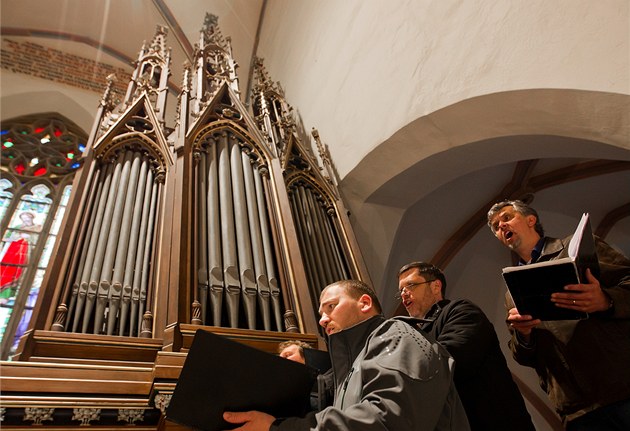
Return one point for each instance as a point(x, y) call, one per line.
point(24, 95)
point(359, 70)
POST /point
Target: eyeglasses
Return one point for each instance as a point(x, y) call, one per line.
point(409, 288)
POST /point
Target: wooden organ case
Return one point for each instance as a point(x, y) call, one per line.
point(226, 221)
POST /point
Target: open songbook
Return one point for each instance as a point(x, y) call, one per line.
point(531, 285)
point(223, 375)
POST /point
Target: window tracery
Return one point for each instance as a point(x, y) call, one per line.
point(39, 158)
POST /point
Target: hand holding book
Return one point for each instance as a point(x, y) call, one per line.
point(251, 421)
point(533, 286)
point(522, 324)
point(587, 297)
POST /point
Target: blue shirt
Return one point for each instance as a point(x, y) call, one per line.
point(535, 252)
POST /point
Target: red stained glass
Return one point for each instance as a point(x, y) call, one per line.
point(39, 172)
point(39, 129)
point(20, 168)
point(57, 132)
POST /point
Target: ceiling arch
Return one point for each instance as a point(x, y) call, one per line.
point(442, 167)
point(29, 102)
point(536, 123)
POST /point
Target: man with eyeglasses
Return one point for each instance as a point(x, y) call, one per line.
point(490, 397)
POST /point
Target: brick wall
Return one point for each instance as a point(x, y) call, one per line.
point(47, 63)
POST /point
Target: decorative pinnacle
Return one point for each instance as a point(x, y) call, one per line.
point(210, 21)
point(158, 44)
point(186, 78)
point(106, 100)
point(263, 81)
point(210, 33)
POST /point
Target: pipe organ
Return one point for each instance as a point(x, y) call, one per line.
point(235, 252)
point(319, 242)
point(108, 294)
point(226, 222)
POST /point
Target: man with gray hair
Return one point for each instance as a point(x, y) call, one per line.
point(582, 364)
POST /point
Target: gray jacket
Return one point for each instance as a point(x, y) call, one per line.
point(388, 376)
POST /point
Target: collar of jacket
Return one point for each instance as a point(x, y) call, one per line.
point(435, 310)
point(552, 247)
point(345, 346)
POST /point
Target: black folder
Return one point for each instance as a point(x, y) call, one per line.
point(531, 286)
point(531, 291)
point(318, 359)
point(223, 375)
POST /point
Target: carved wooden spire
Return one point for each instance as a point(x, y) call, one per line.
point(213, 64)
point(151, 74)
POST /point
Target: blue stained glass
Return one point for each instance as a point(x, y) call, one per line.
point(81, 147)
point(22, 326)
point(3, 132)
point(75, 165)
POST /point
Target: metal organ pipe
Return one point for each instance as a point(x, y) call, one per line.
point(228, 236)
point(248, 284)
point(262, 282)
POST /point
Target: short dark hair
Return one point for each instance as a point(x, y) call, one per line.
point(301, 344)
point(428, 271)
point(521, 208)
point(355, 289)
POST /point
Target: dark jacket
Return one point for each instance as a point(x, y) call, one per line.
point(388, 376)
point(584, 364)
point(483, 380)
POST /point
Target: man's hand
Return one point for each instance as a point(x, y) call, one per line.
point(252, 420)
point(522, 324)
point(588, 297)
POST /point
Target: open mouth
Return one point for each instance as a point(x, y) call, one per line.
point(407, 303)
point(508, 234)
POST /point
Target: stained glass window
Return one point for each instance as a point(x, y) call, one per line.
point(36, 173)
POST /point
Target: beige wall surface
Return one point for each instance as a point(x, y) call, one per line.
point(359, 70)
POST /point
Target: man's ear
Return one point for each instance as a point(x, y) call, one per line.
point(531, 220)
point(436, 288)
point(365, 302)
